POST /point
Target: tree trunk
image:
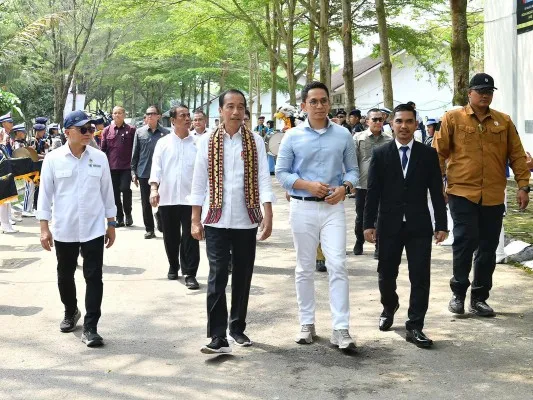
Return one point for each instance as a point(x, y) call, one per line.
point(310, 70)
point(386, 63)
point(460, 52)
point(195, 92)
point(347, 72)
point(273, 36)
point(208, 100)
point(202, 85)
point(251, 84)
point(325, 63)
point(258, 82)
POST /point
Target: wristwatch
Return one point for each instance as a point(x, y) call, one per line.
point(112, 223)
point(526, 189)
point(347, 189)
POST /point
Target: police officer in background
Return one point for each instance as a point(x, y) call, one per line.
point(474, 145)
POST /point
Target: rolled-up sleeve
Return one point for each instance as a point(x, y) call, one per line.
point(284, 163)
point(350, 162)
point(200, 176)
point(46, 191)
point(266, 195)
point(106, 190)
point(155, 172)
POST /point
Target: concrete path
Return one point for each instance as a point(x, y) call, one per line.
point(154, 329)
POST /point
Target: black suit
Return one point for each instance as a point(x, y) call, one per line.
point(395, 197)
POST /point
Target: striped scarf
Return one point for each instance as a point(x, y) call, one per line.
point(216, 175)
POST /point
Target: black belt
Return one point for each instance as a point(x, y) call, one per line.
point(308, 198)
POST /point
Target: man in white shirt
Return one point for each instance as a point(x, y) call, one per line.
point(230, 182)
point(76, 179)
point(199, 123)
point(170, 183)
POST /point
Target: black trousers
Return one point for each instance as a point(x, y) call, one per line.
point(180, 246)
point(67, 261)
point(418, 250)
point(121, 181)
point(242, 243)
point(360, 198)
point(476, 233)
point(148, 217)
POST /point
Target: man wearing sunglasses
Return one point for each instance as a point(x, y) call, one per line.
point(144, 143)
point(365, 143)
point(474, 144)
point(76, 179)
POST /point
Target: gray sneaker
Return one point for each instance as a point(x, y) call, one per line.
point(69, 322)
point(342, 339)
point(306, 334)
point(91, 337)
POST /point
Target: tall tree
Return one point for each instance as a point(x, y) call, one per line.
point(347, 43)
point(325, 62)
point(460, 50)
point(386, 63)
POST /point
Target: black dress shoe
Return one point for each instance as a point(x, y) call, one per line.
point(172, 274)
point(457, 304)
point(386, 319)
point(129, 220)
point(417, 337)
point(191, 283)
point(321, 266)
point(376, 254)
point(149, 235)
point(120, 223)
point(481, 308)
point(358, 248)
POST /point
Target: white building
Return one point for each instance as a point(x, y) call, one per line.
point(410, 82)
point(509, 60)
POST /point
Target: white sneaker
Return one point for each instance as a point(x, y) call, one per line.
point(28, 214)
point(342, 339)
point(9, 230)
point(12, 222)
point(16, 217)
point(306, 334)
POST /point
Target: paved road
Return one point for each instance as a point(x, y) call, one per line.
point(154, 329)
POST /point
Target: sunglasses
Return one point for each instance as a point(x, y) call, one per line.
point(485, 91)
point(378, 119)
point(148, 114)
point(85, 129)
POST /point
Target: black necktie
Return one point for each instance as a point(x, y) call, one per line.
point(404, 157)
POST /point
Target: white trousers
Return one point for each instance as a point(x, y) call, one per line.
point(313, 222)
point(5, 224)
point(29, 193)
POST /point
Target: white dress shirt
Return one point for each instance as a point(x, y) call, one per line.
point(172, 168)
point(234, 211)
point(408, 152)
point(80, 191)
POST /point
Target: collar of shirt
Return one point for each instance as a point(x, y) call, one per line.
point(410, 144)
point(306, 124)
point(470, 111)
point(188, 137)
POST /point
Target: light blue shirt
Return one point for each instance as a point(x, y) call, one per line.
point(326, 156)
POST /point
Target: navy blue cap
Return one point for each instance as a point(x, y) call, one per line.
point(41, 120)
point(75, 118)
point(481, 81)
point(385, 110)
point(431, 121)
point(19, 128)
point(6, 118)
point(98, 121)
point(39, 127)
point(356, 112)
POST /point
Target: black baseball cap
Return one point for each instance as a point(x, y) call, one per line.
point(341, 112)
point(482, 81)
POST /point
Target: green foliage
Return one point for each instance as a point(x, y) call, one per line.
point(9, 102)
